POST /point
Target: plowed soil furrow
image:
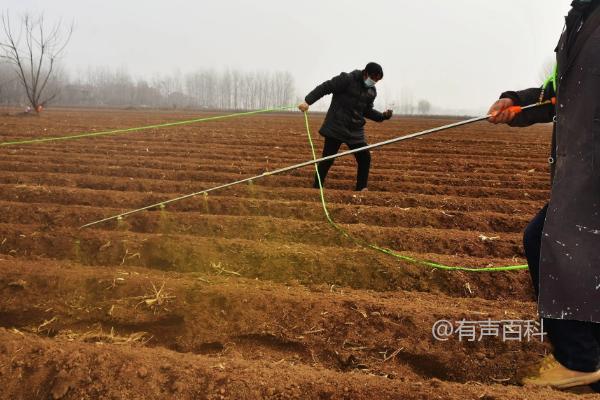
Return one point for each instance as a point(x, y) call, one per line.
point(194, 222)
point(355, 325)
point(115, 178)
point(273, 260)
point(210, 180)
point(66, 195)
point(435, 240)
point(297, 153)
point(244, 167)
point(85, 370)
point(18, 173)
point(273, 129)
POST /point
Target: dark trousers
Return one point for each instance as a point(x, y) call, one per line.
point(363, 158)
point(576, 343)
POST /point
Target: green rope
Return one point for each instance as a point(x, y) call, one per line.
point(141, 128)
point(551, 79)
point(384, 250)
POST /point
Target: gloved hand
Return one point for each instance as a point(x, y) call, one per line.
point(500, 112)
point(303, 107)
point(387, 114)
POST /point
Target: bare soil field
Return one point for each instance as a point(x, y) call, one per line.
point(249, 293)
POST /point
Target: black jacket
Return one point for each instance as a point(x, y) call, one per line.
point(570, 256)
point(578, 15)
point(352, 101)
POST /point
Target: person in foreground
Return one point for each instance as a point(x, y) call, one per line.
point(352, 102)
point(562, 242)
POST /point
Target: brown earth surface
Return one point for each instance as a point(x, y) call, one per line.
point(249, 293)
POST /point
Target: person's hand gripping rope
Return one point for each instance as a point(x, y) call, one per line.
point(303, 107)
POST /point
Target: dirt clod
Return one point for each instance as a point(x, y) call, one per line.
point(142, 372)
point(62, 383)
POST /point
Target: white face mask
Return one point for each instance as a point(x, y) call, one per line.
point(369, 82)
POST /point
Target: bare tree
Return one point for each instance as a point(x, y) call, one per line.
point(424, 107)
point(33, 50)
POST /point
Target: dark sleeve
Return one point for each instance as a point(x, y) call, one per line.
point(531, 96)
point(335, 85)
point(373, 114)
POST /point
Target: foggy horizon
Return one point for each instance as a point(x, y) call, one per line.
point(457, 55)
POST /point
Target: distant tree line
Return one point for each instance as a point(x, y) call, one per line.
point(203, 89)
point(30, 76)
point(408, 107)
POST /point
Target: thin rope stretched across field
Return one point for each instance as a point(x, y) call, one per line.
point(139, 128)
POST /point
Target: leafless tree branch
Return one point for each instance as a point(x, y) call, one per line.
point(34, 60)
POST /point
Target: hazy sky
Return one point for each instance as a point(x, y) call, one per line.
point(458, 54)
